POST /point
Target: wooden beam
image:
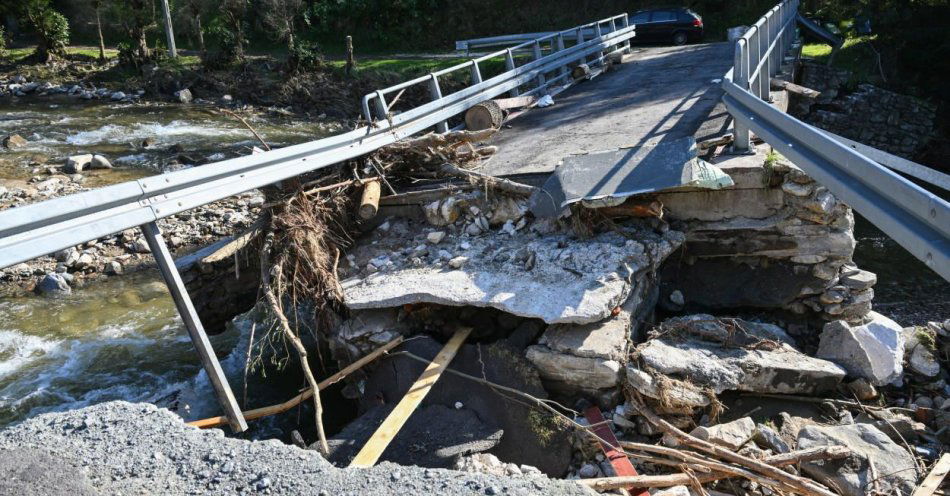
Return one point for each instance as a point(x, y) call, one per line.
point(374, 448)
point(935, 477)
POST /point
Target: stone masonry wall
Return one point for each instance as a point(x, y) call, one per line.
point(775, 240)
point(895, 123)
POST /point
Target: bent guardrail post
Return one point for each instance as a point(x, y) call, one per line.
point(166, 264)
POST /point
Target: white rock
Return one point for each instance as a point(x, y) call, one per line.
point(435, 237)
point(676, 297)
point(731, 435)
point(184, 96)
point(77, 163)
point(458, 262)
point(874, 351)
point(922, 361)
point(100, 162)
point(118, 95)
point(673, 491)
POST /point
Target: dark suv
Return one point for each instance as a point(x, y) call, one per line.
point(676, 25)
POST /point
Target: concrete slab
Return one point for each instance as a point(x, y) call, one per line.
point(657, 94)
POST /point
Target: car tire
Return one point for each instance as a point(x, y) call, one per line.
point(679, 38)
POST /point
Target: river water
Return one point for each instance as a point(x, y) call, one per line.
point(121, 338)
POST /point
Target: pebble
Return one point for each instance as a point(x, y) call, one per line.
point(458, 262)
point(435, 237)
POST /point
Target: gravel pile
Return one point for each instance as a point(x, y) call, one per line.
point(126, 448)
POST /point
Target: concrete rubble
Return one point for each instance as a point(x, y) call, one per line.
point(532, 273)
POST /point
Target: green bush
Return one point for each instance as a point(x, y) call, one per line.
point(3, 43)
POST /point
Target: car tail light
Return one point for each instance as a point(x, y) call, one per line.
point(697, 23)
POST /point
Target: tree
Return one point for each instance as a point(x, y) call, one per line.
point(51, 27)
point(281, 16)
point(97, 6)
point(193, 10)
point(136, 18)
point(233, 13)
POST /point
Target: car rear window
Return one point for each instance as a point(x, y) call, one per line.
point(640, 18)
point(663, 16)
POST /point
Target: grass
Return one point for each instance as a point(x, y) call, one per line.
point(856, 55)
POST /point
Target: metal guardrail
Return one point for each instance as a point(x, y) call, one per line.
point(912, 216)
point(514, 39)
point(610, 32)
point(34, 230)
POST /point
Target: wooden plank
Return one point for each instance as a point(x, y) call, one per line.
point(935, 477)
point(612, 450)
point(373, 449)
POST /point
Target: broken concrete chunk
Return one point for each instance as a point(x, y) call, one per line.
point(783, 370)
point(731, 435)
point(562, 372)
point(874, 351)
point(852, 476)
point(797, 189)
point(552, 277)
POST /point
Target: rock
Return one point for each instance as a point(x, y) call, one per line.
point(673, 392)
point(676, 297)
point(797, 189)
point(14, 141)
point(859, 280)
point(862, 389)
point(114, 268)
point(99, 162)
point(141, 246)
point(435, 237)
point(118, 95)
point(923, 362)
point(587, 358)
point(588, 471)
point(458, 262)
point(852, 476)
point(77, 163)
point(184, 96)
point(767, 438)
point(53, 285)
point(731, 435)
point(783, 370)
point(873, 351)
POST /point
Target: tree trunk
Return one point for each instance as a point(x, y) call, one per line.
point(201, 34)
point(102, 43)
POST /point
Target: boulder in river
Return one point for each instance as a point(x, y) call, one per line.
point(184, 96)
point(100, 162)
point(53, 285)
point(77, 163)
point(14, 141)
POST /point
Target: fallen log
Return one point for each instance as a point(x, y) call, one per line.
point(492, 181)
point(484, 115)
point(304, 396)
point(369, 203)
point(238, 243)
point(780, 84)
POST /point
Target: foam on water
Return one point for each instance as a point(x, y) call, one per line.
point(17, 350)
point(174, 132)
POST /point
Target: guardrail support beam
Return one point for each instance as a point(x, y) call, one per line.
point(436, 92)
point(166, 264)
point(537, 56)
point(510, 66)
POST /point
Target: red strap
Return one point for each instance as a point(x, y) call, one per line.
point(620, 462)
